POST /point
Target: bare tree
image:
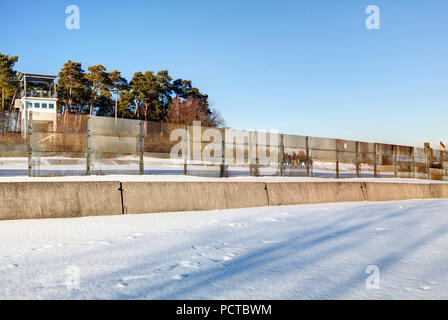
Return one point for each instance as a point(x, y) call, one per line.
point(185, 111)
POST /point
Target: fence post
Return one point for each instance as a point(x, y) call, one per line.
point(427, 159)
point(89, 147)
point(394, 155)
point(253, 168)
point(141, 139)
point(442, 160)
point(337, 159)
point(413, 162)
point(186, 148)
point(357, 159)
point(223, 173)
point(375, 160)
point(308, 157)
point(29, 132)
point(281, 154)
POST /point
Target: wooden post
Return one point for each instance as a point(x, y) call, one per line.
point(427, 159)
point(337, 159)
point(281, 154)
point(357, 159)
point(308, 157)
point(186, 148)
point(29, 131)
point(413, 162)
point(375, 160)
point(116, 106)
point(141, 140)
point(441, 163)
point(223, 172)
point(89, 147)
point(394, 155)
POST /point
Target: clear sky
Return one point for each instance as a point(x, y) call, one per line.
point(302, 67)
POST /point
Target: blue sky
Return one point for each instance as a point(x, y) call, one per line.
point(302, 67)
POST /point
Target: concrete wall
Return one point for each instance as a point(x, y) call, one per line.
point(148, 197)
point(31, 200)
point(313, 192)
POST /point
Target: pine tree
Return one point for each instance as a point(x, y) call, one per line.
point(99, 83)
point(8, 81)
point(71, 85)
point(119, 84)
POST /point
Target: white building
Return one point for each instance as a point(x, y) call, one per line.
point(37, 94)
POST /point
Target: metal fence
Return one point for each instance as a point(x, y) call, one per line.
point(85, 145)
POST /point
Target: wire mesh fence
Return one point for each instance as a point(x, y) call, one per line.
point(88, 145)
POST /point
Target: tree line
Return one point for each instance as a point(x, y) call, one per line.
point(149, 95)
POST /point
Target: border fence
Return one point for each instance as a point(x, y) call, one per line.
point(91, 145)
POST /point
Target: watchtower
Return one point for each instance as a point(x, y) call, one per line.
point(37, 94)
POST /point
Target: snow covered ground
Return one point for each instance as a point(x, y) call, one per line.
point(191, 178)
point(60, 166)
point(291, 252)
point(182, 178)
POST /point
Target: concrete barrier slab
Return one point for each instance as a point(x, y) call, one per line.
point(33, 200)
point(313, 192)
point(150, 197)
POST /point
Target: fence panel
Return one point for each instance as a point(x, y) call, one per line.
point(13, 146)
point(113, 146)
point(420, 165)
point(367, 159)
point(296, 158)
point(404, 160)
point(385, 158)
point(324, 156)
point(157, 146)
point(59, 148)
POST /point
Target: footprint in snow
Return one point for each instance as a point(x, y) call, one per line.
point(169, 268)
point(270, 241)
point(425, 288)
point(130, 278)
point(180, 276)
point(122, 285)
point(221, 259)
point(104, 243)
point(190, 264)
point(270, 220)
point(237, 224)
